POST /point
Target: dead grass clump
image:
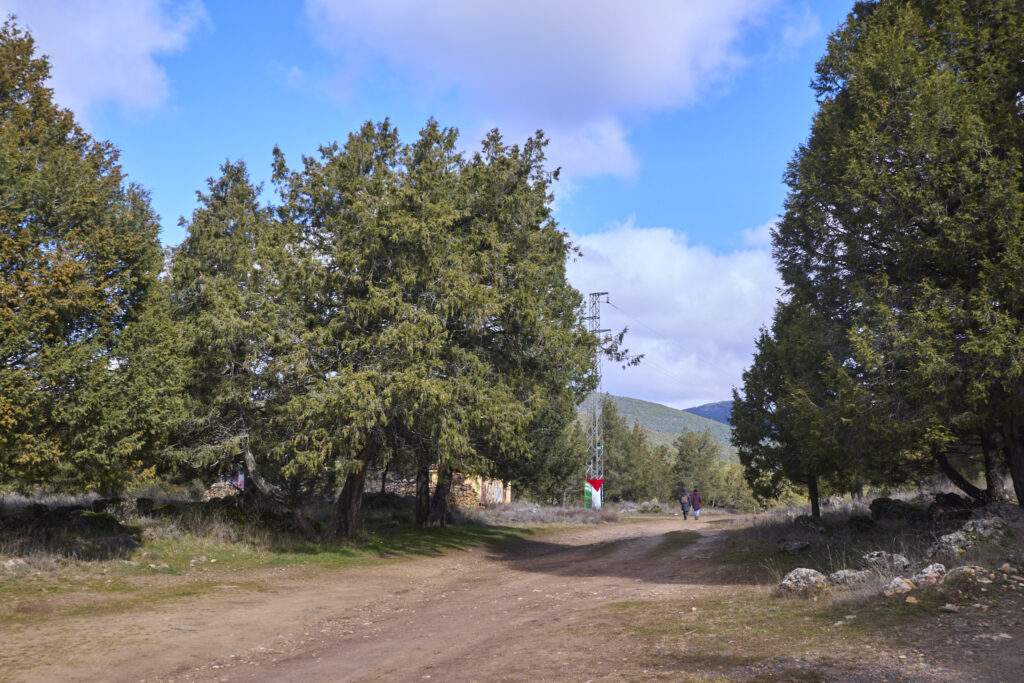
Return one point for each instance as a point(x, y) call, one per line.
point(532, 513)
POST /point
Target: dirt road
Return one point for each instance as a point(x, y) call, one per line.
point(481, 614)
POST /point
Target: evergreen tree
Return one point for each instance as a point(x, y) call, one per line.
point(903, 221)
point(87, 364)
point(238, 289)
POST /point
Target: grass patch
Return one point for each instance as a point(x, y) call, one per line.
point(174, 564)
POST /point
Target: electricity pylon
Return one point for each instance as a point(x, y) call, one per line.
point(595, 465)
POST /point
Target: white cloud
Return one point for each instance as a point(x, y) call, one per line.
point(694, 313)
point(761, 236)
point(577, 68)
point(105, 51)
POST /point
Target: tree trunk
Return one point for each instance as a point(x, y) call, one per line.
point(422, 494)
point(346, 509)
point(955, 477)
point(812, 493)
point(384, 479)
point(995, 468)
point(275, 493)
point(1013, 446)
point(438, 517)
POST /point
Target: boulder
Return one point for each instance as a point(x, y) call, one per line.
point(803, 582)
point(879, 559)
point(969, 573)
point(974, 532)
point(111, 546)
point(848, 577)
point(14, 564)
point(897, 586)
point(894, 510)
point(929, 576)
point(810, 523)
point(794, 547)
point(144, 506)
point(860, 523)
point(948, 506)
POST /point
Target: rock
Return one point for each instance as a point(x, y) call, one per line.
point(880, 559)
point(795, 547)
point(950, 609)
point(929, 576)
point(15, 564)
point(912, 600)
point(860, 523)
point(36, 511)
point(1007, 568)
point(970, 573)
point(848, 577)
point(897, 586)
point(895, 510)
point(974, 532)
point(810, 523)
point(144, 506)
point(116, 545)
point(803, 582)
point(949, 506)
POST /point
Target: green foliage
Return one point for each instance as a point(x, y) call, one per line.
point(634, 469)
point(900, 251)
point(87, 361)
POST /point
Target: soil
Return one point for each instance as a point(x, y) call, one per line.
point(533, 610)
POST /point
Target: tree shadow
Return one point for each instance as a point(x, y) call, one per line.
point(682, 556)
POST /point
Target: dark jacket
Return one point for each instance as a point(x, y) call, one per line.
point(695, 500)
point(684, 501)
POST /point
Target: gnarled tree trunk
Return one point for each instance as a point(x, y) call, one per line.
point(995, 468)
point(346, 508)
point(422, 494)
point(958, 480)
point(438, 516)
point(275, 493)
point(1013, 447)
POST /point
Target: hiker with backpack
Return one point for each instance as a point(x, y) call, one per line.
point(684, 502)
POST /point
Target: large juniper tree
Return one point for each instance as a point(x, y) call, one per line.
point(86, 359)
point(904, 219)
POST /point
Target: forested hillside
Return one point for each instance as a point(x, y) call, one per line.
point(719, 411)
point(663, 423)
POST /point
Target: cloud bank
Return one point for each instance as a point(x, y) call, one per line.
point(692, 312)
point(577, 68)
point(105, 51)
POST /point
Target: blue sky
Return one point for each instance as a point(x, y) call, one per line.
point(673, 122)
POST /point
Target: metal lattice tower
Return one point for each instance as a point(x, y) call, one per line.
point(595, 466)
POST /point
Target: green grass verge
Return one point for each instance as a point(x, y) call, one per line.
point(188, 565)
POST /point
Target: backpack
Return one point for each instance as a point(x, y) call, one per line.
point(684, 501)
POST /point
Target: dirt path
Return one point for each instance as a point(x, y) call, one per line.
point(481, 614)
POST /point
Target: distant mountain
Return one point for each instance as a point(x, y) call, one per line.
point(719, 412)
point(664, 424)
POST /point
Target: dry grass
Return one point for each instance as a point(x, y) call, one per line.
point(532, 513)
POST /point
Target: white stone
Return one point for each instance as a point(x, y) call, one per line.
point(897, 586)
point(930, 575)
point(803, 581)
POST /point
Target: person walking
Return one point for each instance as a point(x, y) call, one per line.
point(695, 503)
point(684, 503)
